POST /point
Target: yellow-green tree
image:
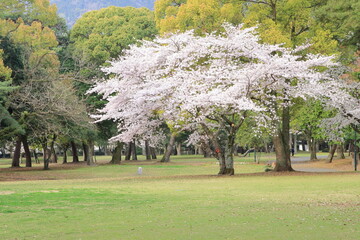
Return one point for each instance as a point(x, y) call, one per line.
point(201, 15)
point(29, 10)
point(291, 22)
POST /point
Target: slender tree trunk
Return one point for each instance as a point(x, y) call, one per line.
point(351, 148)
point(166, 157)
point(47, 155)
point(74, 152)
point(312, 148)
point(17, 152)
point(27, 151)
point(147, 150)
point(65, 155)
point(54, 158)
point(85, 151)
point(90, 152)
point(331, 153)
point(340, 151)
point(266, 147)
point(133, 151)
point(178, 148)
point(281, 142)
point(48, 152)
point(116, 155)
point(303, 145)
point(128, 151)
point(153, 153)
point(35, 156)
point(357, 156)
point(52, 149)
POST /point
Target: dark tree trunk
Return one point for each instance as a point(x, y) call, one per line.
point(357, 158)
point(65, 147)
point(205, 149)
point(54, 158)
point(85, 151)
point(128, 151)
point(17, 152)
point(153, 153)
point(133, 151)
point(281, 142)
point(303, 145)
point(295, 144)
point(65, 156)
point(36, 156)
point(47, 155)
point(147, 150)
point(229, 158)
point(90, 152)
point(219, 153)
point(169, 149)
point(340, 152)
point(116, 155)
point(331, 153)
point(74, 152)
point(27, 151)
point(312, 148)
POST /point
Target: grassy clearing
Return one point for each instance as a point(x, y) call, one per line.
point(241, 207)
point(178, 200)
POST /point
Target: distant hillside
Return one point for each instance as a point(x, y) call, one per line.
point(71, 10)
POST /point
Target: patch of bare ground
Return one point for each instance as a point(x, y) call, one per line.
point(339, 164)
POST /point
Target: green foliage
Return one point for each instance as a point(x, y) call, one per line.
point(8, 125)
point(5, 73)
point(101, 35)
point(252, 135)
point(343, 18)
point(307, 118)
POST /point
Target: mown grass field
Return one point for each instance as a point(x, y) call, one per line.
point(180, 200)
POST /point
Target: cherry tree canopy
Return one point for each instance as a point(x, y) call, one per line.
point(190, 80)
point(348, 109)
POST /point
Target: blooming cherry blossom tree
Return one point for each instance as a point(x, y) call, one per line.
point(211, 82)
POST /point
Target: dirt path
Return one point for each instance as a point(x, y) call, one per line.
point(341, 165)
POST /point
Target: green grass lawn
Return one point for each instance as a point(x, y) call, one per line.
point(179, 200)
